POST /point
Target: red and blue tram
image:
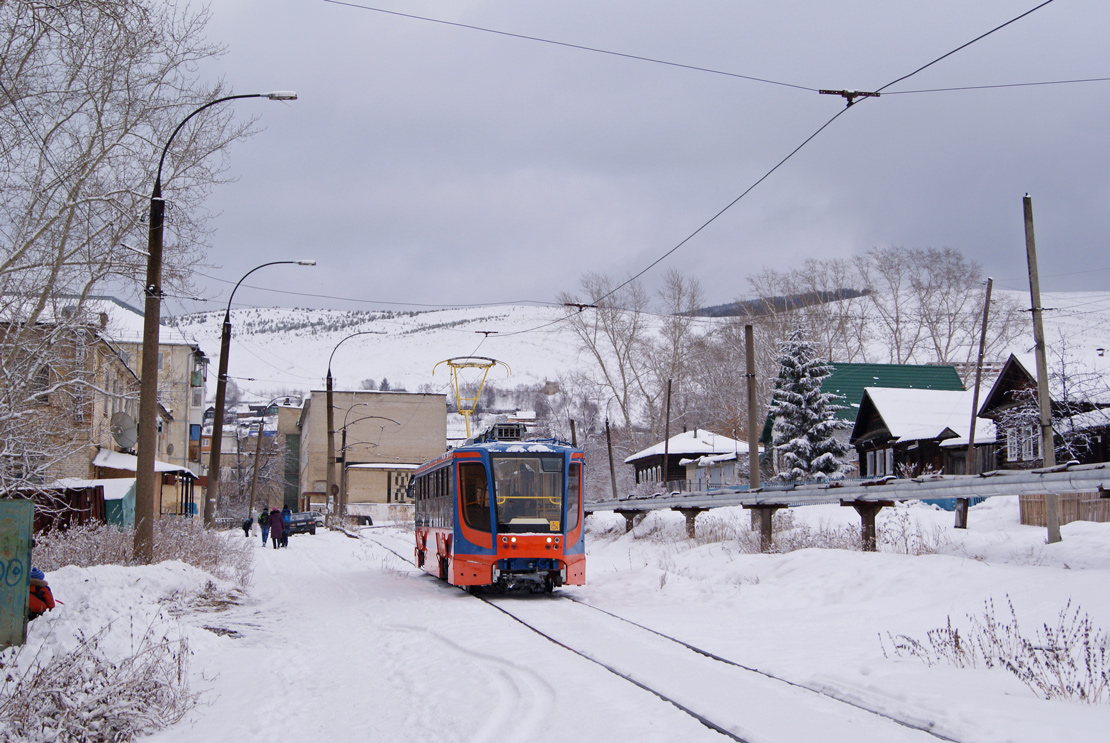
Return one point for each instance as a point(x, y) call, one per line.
point(502, 513)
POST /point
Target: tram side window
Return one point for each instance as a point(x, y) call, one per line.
point(475, 496)
point(574, 495)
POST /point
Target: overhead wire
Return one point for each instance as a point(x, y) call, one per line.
point(579, 47)
point(793, 152)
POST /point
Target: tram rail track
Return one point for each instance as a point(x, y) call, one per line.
point(703, 684)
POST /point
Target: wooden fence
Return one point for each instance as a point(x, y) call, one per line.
point(1073, 507)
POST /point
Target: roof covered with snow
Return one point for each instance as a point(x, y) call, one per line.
point(115, 488)
point(917, 415)
point(115, 460)
point(696, 443)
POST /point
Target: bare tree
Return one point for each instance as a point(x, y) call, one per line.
point(888, 276)
point(614, 333)
point(89, 92)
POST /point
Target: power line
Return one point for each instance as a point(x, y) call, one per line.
point(569, 45)
point(980, 37)
point(1003, 85)
point(851, 101)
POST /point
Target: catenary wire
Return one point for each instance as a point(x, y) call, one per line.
point(978, 38)
point(795, 151)
point(568, 45)
point(1001, 85)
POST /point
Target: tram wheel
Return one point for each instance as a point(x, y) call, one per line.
point(443, 568)
point(420, 558)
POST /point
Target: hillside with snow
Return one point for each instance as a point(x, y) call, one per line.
point(277, 350)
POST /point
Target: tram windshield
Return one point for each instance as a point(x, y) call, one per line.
point(529, 493)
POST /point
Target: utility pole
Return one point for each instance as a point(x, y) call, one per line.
point(612, 469)
point(971, 461)
point(1044, 403)
point(667, 436)
point(753, 413)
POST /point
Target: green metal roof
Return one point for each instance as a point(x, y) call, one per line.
point(849, 380)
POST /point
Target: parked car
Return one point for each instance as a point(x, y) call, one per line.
point(305, 521)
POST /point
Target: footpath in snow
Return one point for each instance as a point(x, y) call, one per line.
point(338, 639)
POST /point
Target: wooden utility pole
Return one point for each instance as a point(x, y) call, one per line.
point(612, 468)
point(667, 436)
point(753, 413)
point(971, 461)
point(1044, 403)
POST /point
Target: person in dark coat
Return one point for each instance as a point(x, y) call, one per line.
point(247, 527)
point(275, 528)
point(286, 519)
point(264, 522)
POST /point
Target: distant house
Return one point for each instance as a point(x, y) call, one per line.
point(1082, 415)
point(909, 432)
point(682, 454)
point(848, 382)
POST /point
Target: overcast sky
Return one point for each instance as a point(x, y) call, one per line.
point(432, 164)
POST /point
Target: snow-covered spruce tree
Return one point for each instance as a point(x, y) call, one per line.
point(804, 416)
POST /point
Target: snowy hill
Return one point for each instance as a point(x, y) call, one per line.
point(277, 350)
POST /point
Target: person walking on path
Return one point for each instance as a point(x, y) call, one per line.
point(275, 527)
point(247, 527)
point(286, 519)
point(264, 522)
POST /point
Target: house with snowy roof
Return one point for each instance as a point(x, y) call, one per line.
point(1080, 405)
point(909, 432)
point(848, 382)
point(690, 459)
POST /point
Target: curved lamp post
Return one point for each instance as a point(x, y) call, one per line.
point(333, 489)
point(341, 499)
point(212, 493)
point(145, 478)
point(258, 452)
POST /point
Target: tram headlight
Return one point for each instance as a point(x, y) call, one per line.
point(549, 540)
point(513, 540)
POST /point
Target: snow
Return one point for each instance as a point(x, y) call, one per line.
point(913, 415)
point(338, 639)
point(115, 460)
point(115, 488)
point(696, 442)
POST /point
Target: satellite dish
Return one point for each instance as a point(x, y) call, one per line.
point(169, 450)
point(124, 430)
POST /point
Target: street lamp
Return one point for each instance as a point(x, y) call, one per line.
point(258, 451)
point(212, 492)
point(341, 498)
point(331, 419)
point(145, 479)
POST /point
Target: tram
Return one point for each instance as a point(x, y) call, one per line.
point(502, 511)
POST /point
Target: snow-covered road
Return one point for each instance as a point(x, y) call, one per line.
point(338, 639)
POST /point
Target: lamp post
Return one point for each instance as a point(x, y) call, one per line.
point(258, 452)
point(341, 499)
point(212, 492)
point(148, 385)
point(333, 490)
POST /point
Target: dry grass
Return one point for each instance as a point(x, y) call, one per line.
point(84, 697)
point(220, 554)
point(1069, 660)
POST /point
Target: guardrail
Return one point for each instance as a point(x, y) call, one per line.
point(868, 497)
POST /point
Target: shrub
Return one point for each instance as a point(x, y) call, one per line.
point(82, 696)
point(1070, 660)
point(220, 555)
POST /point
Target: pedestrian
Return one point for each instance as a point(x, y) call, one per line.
point(264, 522)
point(286, 519)
point(247, 527)
point(275, 527)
